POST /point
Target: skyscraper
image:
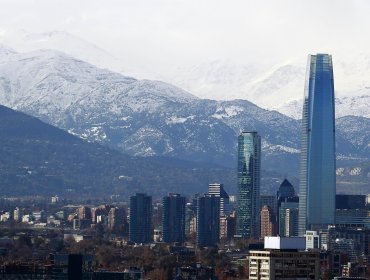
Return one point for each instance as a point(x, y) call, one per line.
point(249, 177)
point(219, 191)
point(140, 218)
point(288, 216)
point(317, 170)
point(173, 218)
point(208, 220)
point(286, 189)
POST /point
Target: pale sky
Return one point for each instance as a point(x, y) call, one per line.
point(163, 33)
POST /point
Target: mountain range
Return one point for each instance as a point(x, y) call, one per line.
point(149, 118)
point(275, 87)
point(278, 87)
point(37, 158)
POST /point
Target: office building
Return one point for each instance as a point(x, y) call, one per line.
point(291, 222)
point(286, 190)
point(219, 191)
point(208, 220)
point(359, 236)
point(352, 217)
point(140, 228)
point(173, 218)
point(350, 201)
point(288, 217)
point(317, 169)
point(284, 258)
point(249, 177)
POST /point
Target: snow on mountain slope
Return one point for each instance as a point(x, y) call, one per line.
point(6, 53)
point(218, 79)
point(278, 87)
point(357, 105)
point(50, 82)
point(146, 118)
point(141, 117)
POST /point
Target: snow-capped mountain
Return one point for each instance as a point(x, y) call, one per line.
point(274, 87)
point(153, 118)
point(277, 87)
point(147, 118)
point(141, 117)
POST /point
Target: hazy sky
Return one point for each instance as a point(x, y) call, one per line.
point(163, 33)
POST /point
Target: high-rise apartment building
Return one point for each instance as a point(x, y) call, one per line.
point(268, 200)
point(267, 222)
point(317, 170)
point(208, 220)
point(84, 213)
point(116, 218)
point(140, 230)
point(173, 218)
point(249, 177)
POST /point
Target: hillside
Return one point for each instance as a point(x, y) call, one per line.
point(37, 158)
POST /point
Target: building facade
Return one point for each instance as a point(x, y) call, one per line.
point(249, 178)
point(267, 222)
point(317, 168)
point(116, 218)
point(173, 218)
point(208, 220)
point(283, 264)
point(284, 258)
point(219, 191)
point(288, 217)
point(140, 227)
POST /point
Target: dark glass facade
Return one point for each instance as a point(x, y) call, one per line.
point(140, 218)
point(348, 201)
point(173, 218)
point(208, 220)
point(317, 170)
point(249, 178)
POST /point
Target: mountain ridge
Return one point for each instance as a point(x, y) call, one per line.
point(152, 118)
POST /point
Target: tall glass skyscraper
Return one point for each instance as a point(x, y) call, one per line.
point(249, 179)
point(317, 170)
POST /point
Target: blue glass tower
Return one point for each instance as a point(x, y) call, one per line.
point(249, 178)
point(317, 170)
